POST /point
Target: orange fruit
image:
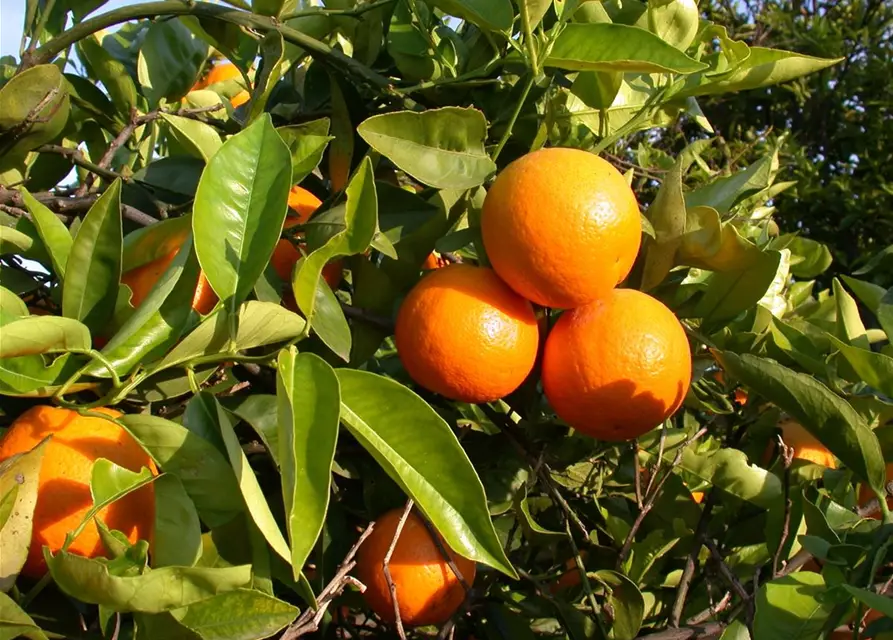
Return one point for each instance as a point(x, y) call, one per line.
point(561, 227)
point(740, 395)
point(63, 494)
point(143, 278)
point(428, 591)
point(571, 577)
point(221, 72)
point(697, 496)
point(434, 261)
point(805, 445)
point(463, 333)
point(618, 367)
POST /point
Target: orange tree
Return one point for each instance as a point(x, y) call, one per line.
point(739, 490)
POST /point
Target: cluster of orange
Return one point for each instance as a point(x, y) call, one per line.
point(562, 229)
point(221, 72)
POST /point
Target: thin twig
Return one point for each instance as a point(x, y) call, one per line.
point(787, 455)
point(77, 158)
point(445, 553)
point(711, 611)
point(381, 322)
point(75, 206)
point(386, 566)
point(638, 478)
point(724, 570)
point(694, 632)
point(691, 563)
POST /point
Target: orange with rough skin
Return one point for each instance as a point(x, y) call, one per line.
point(63, 495)
point(221, 72)
point(618, 367)
point(805, 445)
point(561, 227)
point(428, 591)
point(463, 333)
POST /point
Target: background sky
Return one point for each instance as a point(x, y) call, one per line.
point(12, 16)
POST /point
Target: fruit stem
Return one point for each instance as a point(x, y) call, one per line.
point(511, 123)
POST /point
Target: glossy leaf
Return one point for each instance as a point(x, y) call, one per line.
point(825, 415)
point(735, 631)
point(198, 138)
point(674, 21)
point(155, 591)
point(260, 411)
point(442, 148)
point(723, 193)
point(306, 142)
point(732, 292)
point(273, 65)
point(617, 47)
point(15, 622)
point(13, 241)
point(809, 258)
point(111, 72)
point(53, 232)
point(250, 489)
point(42, 90)
point(177, 534)
point(239, 210)
point(11, 305)
point(730, 470)
point(872, 600)
point(43, 334)
point(20, 474)
point(492, 15)
point(260, 323)
point(667, 217)
point(242, 614)
point(434, 470)
point(93, 269)
point(849, 325)
point(204, 472)
point(792, 608)
point(626, 601)
point(170, 59)
point(872, 368)
point(309, 403)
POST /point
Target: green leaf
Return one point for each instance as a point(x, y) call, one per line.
point(178, 533)
point(306, 142)
point(111, 72)
point(11, 305)
point(735, 631)
point(710, 244)
point(730, 470)
point(849, 325)
point(13, 241)
point(442, 148)
point(20, 474)
point(626, 601)
point(360, 226)
point(242, 614)
point(723, 193)
point(489, 15)
point(110, 482)
point(43, 334)
point(170, 60)
point(434, 470)
point(39, 92)
point(792, 608)
point(273, 65)
point(260, 323)
point(53, 232)
point(239, 210)
point(617, 47)
point(872, 600)
point(199, 139)
point(155, 591)
point(93, 270)
point(206, 475)
point(15, 623)
point(667, 216)
point(260, 411)
point(30, 376)
point(248, 485)
point(885, 313)
point(674, 21)
point(597, 89)
point(308, 398)
point(808, 257)
point(762, 68)
point(824, 414)
point(872, 368)
point(732, 292)
point(868, 293)
point(160, 319)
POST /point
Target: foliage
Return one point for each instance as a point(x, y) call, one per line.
point(281, 434)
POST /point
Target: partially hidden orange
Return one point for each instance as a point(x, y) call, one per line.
point(561, 226)
point(143, 278)
point(63, 494)
point(805, 445)
point(221, 72)
point(428, 592)
point(463, 333)
point(618, 367)
point(434, 261)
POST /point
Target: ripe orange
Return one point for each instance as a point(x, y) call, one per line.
point(805, 445)
point(63, 495)
point(463, 333)
point(697, 496)
point(561, 227)
point(428, 591)
point(434, 261)
point(221, 72)
point(143, 278)
point(617, 367)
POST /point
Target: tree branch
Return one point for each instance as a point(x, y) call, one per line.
point(67, 207)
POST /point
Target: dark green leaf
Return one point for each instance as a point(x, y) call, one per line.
point(626, 601)
point(808, 257)
point(178, 533)
point(273, 65)
point(93, 270)
point(872, 600)
point(110, 71)
point(732, 292)
point(434, 470)
point(239, 210)
point(723, 193)
point(309, 404)
point(15, 623)
point(825, 415)
point(260, 411)
point(617, 47)
point(874, 369)
point(443, 148)
point(170, 59)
